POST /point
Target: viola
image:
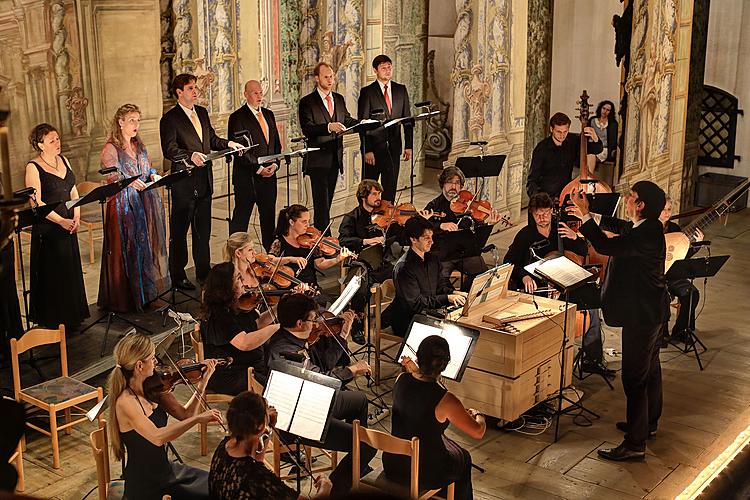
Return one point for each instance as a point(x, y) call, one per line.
point(468, 203)
point(280, 276)
point(388, 213)
point(165, 378)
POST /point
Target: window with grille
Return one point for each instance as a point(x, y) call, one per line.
point(718, 128)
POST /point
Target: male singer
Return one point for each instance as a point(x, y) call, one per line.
point(255, 183)
point(382, 146)
point(186, 131)
point(323, 116)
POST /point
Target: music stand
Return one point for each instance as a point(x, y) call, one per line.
point(411, 120)
point(704, 267)
point(287, 157)
point(488, 285)
point(461, 341)
point(463, 244)
point(101, 195)
point(599, 203)
point(168, 181)
point(303, 400)
point(568, 276)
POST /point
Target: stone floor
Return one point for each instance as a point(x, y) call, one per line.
point(703, 410)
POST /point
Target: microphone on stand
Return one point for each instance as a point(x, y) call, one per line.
point(108, 170)
point(478, 143)
point(24, 193)
point(423, 104)
point(297, 139)
point(704, 243)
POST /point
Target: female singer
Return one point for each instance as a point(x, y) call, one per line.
point(293, 222)
point(422, 407)
point(604, 124)
point(139, 426)
point(137, 249)
point(58, 294)
point(228, 332)
point(237, 469)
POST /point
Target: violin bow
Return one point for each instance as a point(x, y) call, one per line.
point(317, 242)
point(188, 383)
point(263, 294)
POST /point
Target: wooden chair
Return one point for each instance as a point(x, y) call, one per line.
point(108, 489)
point(382, 295)
point(52, 396)
point(91, 215)
point(376, 480)
point(18, 458)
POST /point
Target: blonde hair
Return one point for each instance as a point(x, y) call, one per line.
point(115, 131)
point(235, 242)
point(128, 351)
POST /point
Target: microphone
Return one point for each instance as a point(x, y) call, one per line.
point(488, 248)
point(422, 104)
point(588, 181)
point(24, 193)
point(108, 170)
point(297, 139)
point(243, 134)
point(704, 243)
point(478, 143)
point(377, 112)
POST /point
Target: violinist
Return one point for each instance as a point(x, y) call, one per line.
point(229, 332)
point(553, 159)
point(297, 315)
point(293, 222)
point(538, 239)
point(138, 425)
point(452, 181)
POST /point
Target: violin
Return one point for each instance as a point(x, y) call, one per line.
point(165, 378)
point(253, 296)
point(388, 213)
point(328, 245)
point(326, 325)
point(280, 276)
point(468, 203)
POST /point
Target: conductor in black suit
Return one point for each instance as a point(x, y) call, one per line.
point(634, 296)
point(253, 183)
point(186, 131)
point(322, 117)
point(382, 146)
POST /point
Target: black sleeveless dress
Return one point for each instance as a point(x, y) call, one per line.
point(58, 294)
point(149, 474)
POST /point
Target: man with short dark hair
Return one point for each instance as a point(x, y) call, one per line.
point(254, 183)
point(634, 296)
point(186, 131)
point(382, 147)
point(420, 285)
point(322, 117)
point(297, 315)
point(553, 158)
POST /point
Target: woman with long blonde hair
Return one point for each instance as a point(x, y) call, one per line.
point(139, 430)
point(136, 259)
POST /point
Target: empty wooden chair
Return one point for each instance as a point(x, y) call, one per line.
point(382, 295)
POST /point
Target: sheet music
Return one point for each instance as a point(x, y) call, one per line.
point(312, 410)
point(346, 296)
point(458, 344)
point(563, 271)
point(282, 392)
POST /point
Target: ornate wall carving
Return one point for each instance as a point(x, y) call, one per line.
point(166, 20)
point(183, 23)
point(308, 45)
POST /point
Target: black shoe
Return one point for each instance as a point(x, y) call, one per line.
point(185, 284)
point(358, 337)
point(623, 427)
point(597, 368)
point(621, 453)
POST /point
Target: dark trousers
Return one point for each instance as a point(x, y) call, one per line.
point(189, 212)
point(641, 379)
point(348, 406)
point(387, 164)
point(323, 184)
point(248, 193)
point(592, 338)
point(683, 290)
point(470, 267)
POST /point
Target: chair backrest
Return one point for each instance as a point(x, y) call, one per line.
point(34, 338)
point(383, 295)
point(388, 444)
point(100, 450)
point(195, 339)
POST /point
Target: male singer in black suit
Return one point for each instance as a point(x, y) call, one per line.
point(634, 296)
point(322, 117)
point(382, 146)
point(255, 183)
point(186, 131)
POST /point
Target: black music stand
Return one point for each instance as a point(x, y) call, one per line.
point(570, 277)
point(703, 267)
point(168, 181)
point(599, 203)
point(101, 194)
point(463, 244)
point(287, 157)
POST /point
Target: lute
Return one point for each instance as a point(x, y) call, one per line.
point(678, 244)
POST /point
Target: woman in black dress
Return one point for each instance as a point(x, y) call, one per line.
point(10, 310)
point(139, 431)
point(57, 291)
point(228, 331)
point(423, 408)
point(237, 469)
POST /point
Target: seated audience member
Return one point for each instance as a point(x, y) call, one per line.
point(237, 468)
point(423, 408)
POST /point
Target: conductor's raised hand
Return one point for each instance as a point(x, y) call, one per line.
point(579, 199)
